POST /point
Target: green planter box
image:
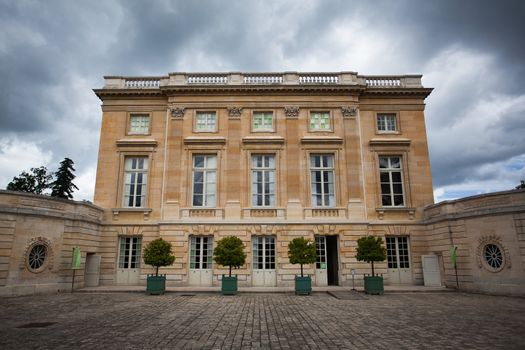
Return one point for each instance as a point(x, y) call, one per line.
point(374, 285)
point(156, 284)
point(229, 285)
point(303, 285)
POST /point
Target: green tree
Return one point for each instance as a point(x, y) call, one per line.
point(521, 185)
point(63, 185)
point(158, 253)
point(35, 182)
point(370, 249)
point(302, 251)
point(230, 252)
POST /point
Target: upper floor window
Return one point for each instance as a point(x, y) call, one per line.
point(386, 122)
point(206, 122)
point(391, 174)
point(320, 121)
point(204, 180)
point(262, 121)
point(322, 180)
point(135, 181)
point(139, 124)
point(263, 180)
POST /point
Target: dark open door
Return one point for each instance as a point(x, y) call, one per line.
point(332, 260)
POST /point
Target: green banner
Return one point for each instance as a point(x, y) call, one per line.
point(453, 255)
point(75, 263)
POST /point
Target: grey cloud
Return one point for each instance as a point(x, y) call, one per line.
point(52, 53)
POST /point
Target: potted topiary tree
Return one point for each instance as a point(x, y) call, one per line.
point(157, 253)
point(302, 251)
point(370, 249)
point(229, 252)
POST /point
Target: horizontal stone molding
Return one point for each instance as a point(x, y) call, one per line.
point(137, 143)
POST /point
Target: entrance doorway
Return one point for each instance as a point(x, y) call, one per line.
point(398, 258)
point(201, 255)
point(263, 271)
point(327, 264)
point(128, 271)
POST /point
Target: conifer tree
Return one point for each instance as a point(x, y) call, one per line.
point(63, 185)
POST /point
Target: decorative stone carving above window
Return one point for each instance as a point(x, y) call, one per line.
point(291, 112)
point(177, 112)
point(492, 255)
point(349, 111)
point(234, 112)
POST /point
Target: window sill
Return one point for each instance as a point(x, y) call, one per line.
point(264, 212)
point(117, 211)
point(381, 211)
point(202, 212)
point(325, 212)
point(137, 143)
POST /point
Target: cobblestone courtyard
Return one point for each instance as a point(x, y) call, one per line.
point(254, 320)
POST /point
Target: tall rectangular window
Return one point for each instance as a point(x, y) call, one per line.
point(322, 180)
point(398, 255)
point(135, 181)
point(386, 122)
point(204, 180)
point(263, 180)
point(129, 252)
point(391, 174)
point(320, 121)
point(262, 121)
point(205, 122)
point(201, 252)
point(139, 124)
point(263, 248)
point(320, 247)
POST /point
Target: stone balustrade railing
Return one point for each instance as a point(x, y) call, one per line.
point(286, 78)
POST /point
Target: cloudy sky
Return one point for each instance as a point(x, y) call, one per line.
point(53, 53)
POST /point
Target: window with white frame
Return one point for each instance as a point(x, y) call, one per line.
point(263, 180)
point(201, 252)
point(139, 124)
point(262, 121)
point(135, 181)
point(204, 180)
point(263, 248)
point(322, 180)
point(206, 122)
point(391, 175)
point(386, 122)
point(320, 121)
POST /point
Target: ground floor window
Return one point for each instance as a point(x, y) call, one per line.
point(201, 252)
point(320, 246)
point(263, 253)
point(129, 252)
point(397, 252)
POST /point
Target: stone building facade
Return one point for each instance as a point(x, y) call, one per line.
point(266, 157)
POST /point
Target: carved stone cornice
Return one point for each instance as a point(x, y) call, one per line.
point(234, 112)
point(349, 111)
point(177, 112)
point(291, 112)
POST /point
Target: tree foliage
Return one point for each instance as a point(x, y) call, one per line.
point(521, 185)
point(158, 253)
point(230, 252)
point(302, 251)
point(35, 182)
point(370, 249)
point(63, 185)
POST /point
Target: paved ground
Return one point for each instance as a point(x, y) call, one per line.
point(263, 320)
